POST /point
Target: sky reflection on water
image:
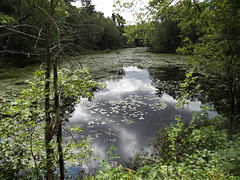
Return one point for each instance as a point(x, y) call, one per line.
point(127, 113)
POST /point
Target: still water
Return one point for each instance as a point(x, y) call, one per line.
point(128, 112)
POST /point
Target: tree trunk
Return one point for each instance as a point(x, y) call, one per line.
point(59, 123)
point(232, 110)
point(48, 125)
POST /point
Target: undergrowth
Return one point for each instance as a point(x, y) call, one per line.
point(197, 150)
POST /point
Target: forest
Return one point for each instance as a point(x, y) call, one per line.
point(33, 120)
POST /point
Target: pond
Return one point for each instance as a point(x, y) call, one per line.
point(140, 96)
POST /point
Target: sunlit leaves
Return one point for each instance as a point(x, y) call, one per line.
point(119, 5)
point(5, 19)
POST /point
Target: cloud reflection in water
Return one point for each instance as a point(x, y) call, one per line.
point(125, 114)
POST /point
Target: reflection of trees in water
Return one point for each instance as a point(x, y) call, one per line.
point(214, 91)
point(169, 87)
point(115, 73)
point(167, 80)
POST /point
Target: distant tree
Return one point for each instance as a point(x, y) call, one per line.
point(165, 37)
point(136, 34)
point(120, 21)
point(111, 35)
point(86, 3)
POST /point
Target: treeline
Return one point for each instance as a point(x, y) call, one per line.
point(160, 37)
point(77, 30)
point(163, 32)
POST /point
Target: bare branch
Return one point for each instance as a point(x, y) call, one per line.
point(12, 29)
point(21, 52)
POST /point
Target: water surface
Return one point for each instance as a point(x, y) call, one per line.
point(128, 112)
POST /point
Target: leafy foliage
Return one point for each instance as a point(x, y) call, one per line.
point(194, 151)
point(111, 35)
point(74, 29)
point(22, 126)
point(136, 34)
point(198, 150)
point(215, 56)
point(165, 37)
point(210, 34)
